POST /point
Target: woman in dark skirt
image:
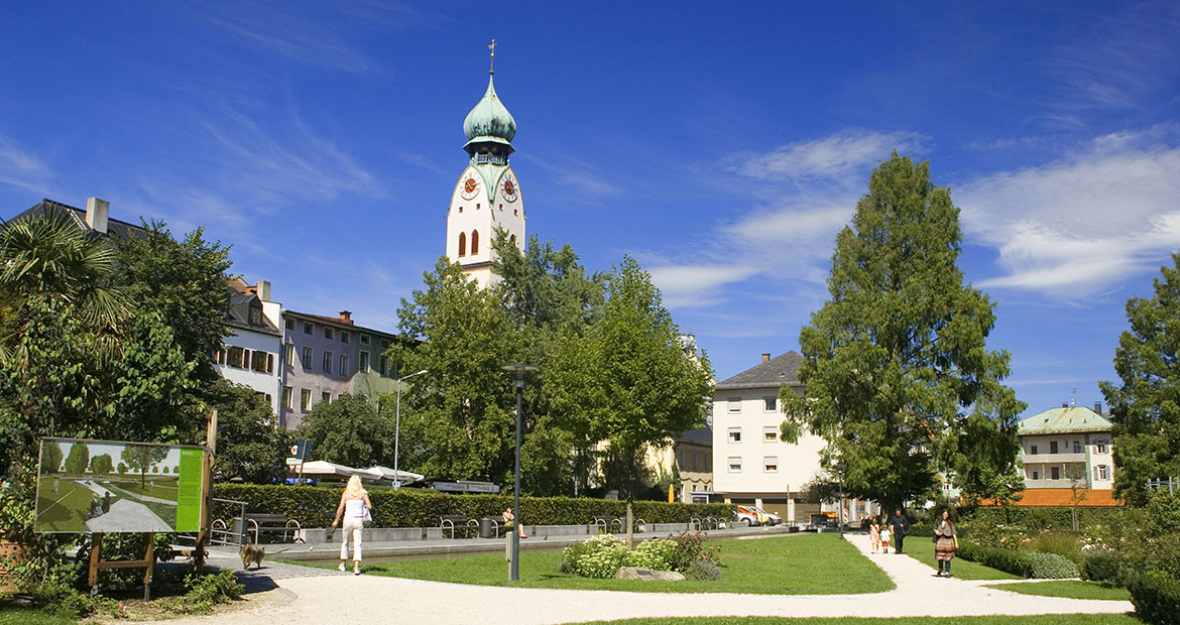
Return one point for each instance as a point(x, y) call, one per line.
point(946, 541)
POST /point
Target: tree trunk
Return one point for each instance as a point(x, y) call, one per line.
point(630, 536)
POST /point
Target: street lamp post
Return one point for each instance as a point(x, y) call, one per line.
point(397, 431)
point(519, 369)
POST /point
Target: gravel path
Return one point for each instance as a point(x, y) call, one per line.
point(330, 597)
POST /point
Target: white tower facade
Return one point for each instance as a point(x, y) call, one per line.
point(487, 197)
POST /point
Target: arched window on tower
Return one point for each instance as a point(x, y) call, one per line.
point(512, 239)
point(462, 244)
point(474, 242)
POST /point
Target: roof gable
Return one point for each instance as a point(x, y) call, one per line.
point(774, 373)
point(1064, 420)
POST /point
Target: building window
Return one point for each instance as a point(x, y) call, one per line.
point(327, 362)
point(695, 456)
point(735, 405)
point(344, 365)
point(364, 339)
point(770, 464)
point(1101, 444)
point(462, 244)
point(474, 242)
point(343, 337)
point(326, 397)
point(735, 435)
point(1053, 448)
point(1077, 447)
point(735, 464)
point(305, 399)
point(384, 365)
point(306, 327)
point(327, 333)
point(287, 397)
point(1102, 472)
point(384, 343)
point(1055, 473)
point(234, 357)
point(256, 315)
point(263, 362)
point(307, 358)
point(364, 366)
point(289, 354)
point(770, 404)
point(219, 356)
point(513, 240)
point(769, 434)
point(290, 324)
point(1033, 450)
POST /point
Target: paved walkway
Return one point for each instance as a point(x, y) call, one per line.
point(370, 599)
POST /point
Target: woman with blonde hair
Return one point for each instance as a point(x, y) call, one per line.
point(354, 505)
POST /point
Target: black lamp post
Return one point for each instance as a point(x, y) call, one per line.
point(519, 369)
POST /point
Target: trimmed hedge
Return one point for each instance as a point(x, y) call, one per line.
point(1044, 518)
point(408, 507)
point(1156, 597)
point(1008, 560)
point(1052, 566)
point(1107, 567)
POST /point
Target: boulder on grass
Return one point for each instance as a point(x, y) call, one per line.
point(639, 572)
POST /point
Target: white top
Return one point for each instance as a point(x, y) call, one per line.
point(354, 509)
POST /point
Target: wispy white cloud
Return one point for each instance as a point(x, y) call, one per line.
point(831, 157)
point(1079, 225)
point(21, 168)
point(685, 286)
point(571, 173)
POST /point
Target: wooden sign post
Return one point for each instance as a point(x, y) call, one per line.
point(148, 562)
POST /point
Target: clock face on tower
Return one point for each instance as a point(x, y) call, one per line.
point(509, 189)
point(469, 186)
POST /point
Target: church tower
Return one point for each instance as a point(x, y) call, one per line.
point(488, 195)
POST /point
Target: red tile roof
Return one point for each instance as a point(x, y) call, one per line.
point(1034, 497)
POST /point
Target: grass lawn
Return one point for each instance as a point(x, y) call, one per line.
point(960, 568)
point(1045, 619)
point(18, 615)
point(1069, 589)
point(65, 510)
point(789, 565)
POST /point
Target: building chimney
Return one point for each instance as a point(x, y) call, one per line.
point(97, 213)
point(262, 290)
point(1098, 407)
point(1065, 404)
point(346, 316)
point(765, 357)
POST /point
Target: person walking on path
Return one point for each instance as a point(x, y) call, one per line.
point(875, 536)
point(354, 505)
point(510, 519)
point(900, 526)
point(946, 541)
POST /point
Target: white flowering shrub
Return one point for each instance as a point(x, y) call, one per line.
point(653, 554)
point(597, 557)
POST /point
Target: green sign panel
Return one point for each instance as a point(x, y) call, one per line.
point(118, 487)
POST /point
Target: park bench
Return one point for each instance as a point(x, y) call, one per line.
point(457, 521)
point(256, 525)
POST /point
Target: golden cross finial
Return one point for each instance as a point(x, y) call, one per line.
point(493, 49)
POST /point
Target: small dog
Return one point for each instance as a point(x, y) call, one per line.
point(251, 553)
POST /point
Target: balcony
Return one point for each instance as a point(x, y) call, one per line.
point(1047, 483)
point(1058, 459)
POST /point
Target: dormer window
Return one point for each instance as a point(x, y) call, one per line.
point(255, 316)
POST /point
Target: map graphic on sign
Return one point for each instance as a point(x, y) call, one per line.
point(118, 487)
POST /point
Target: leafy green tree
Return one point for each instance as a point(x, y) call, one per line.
point(78, 458)
point(458, 419)
point(627, 380)
point(143, 458)
point(897, 375)
point(184, 282)
point(101, 464)
point(1145, 407)
point(349, 431)
point(51, 457)
point(250, 444)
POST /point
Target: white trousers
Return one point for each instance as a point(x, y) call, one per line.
point(351, 527)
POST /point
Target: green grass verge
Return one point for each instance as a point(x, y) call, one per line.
point(65, 510)
point(960, 568)
point(1069, 589)
point(791, 565)
point(1044, 619)
point(20, 615)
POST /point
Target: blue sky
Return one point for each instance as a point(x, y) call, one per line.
point(721, 144)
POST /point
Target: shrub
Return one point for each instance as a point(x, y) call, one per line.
point(1065, 544)
point(653, 554)
point(204, 592)
point(701, 568)
point(1105, 566)
point(1156, 597)
point(690, 551)
point(1163, 514)
point(1011, 561)
point(596, 557)
point(1052, 566)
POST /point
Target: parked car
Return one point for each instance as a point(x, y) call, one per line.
point(766, 518)
point(747, 517)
